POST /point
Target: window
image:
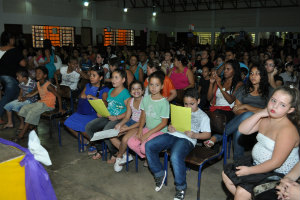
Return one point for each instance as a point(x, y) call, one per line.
point(118, 37)
point(59, 35)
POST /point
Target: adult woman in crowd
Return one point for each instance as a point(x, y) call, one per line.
point(10, 61)
point(250, 98)
point(221, 92)
point(181, 76)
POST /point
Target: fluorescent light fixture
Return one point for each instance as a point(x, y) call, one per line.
point(153, 13)
point(86, 3)
point(125, 9)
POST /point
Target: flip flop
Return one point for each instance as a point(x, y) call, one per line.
point(5, 127)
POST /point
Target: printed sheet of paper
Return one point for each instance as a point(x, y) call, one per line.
point(181, 118)
point(100, 107)
point(105, 134)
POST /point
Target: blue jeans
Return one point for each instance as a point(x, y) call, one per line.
point(11, 91)
point(16, 105)
point(179, 147)
point(232, 128)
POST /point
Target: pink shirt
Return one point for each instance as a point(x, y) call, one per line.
point(136, 113)
point(180, 80)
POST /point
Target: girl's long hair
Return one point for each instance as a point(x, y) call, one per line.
point(264, 85)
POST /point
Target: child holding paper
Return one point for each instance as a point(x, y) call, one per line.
point(129, 124)
point(155, 113)
point(117, 100)
point(85, 113)
point(180, 145)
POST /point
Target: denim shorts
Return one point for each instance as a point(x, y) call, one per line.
point(130, 122)
point(16, 105)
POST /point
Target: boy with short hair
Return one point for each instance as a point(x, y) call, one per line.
point(26, 86)
point(180, 145)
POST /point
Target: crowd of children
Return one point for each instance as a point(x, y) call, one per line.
point(138, 86)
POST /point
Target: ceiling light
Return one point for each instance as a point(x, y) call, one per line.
point(153, 13)
point(86, 3)
point(125, 9)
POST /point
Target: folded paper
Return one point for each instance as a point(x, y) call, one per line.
point(105, 134)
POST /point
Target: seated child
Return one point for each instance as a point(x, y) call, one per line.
point(117, 100)
point(168, 91)
point(70, 74)
point(276, 150)
point(85, 113)
point(155, 113)
point(180, 145)
point(26, 86)
point(129, 124)
point(48, 95)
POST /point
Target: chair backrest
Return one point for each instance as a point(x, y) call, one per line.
point(217, 122)
point(66, 95)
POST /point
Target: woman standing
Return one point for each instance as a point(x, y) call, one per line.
point(10, 61)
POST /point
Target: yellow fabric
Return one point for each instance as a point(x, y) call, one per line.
point(181, 118)
point(12, 180)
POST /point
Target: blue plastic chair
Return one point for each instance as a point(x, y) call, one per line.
point(200, 155)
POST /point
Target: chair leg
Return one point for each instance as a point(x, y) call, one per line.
point(127, 154)
point(105, 151)
point(82, 143)
point(199, 182)
point(166, 167)
point(224, 153)
point(229, 147)
point(103, 145)
point(59, 134)
point(79, 145)
point(136, 162)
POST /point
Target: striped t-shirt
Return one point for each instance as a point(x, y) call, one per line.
point(27, 88)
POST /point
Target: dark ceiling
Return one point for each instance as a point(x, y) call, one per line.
point(204, 5)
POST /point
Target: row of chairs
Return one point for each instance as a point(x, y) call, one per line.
point(199, 156)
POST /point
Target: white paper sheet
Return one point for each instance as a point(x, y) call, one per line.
point(105, 134)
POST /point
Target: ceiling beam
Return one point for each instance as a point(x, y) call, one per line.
point(133, 3)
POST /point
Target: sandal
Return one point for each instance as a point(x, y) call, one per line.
point(17, 139)
point(209, 143)
point(97, 156)
point(92, 150)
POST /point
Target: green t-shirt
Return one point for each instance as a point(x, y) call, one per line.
point(155, 110)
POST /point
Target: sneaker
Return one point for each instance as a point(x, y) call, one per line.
point(117, 166)
point(123, 160)
point(179, 195)
point(159, 181)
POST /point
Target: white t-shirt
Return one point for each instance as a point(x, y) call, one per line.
point(70, 79)
point(200, 123)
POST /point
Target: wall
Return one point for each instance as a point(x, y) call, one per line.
point(110, 13)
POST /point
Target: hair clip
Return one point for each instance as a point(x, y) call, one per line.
point(122, 61)
point(291, 86)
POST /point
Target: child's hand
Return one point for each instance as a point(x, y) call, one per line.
point(144, 138)
point(139, 134)
point(171, 129)
point(112, 118)
point(91, 97)
point(242, 171)
point(99, 115)
point(264, 113)
point(124, 128)
point(118, 127)
point(62, 111)
point(189, 134)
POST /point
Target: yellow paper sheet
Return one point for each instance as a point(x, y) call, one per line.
point(100, 107)
point(181, 118)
